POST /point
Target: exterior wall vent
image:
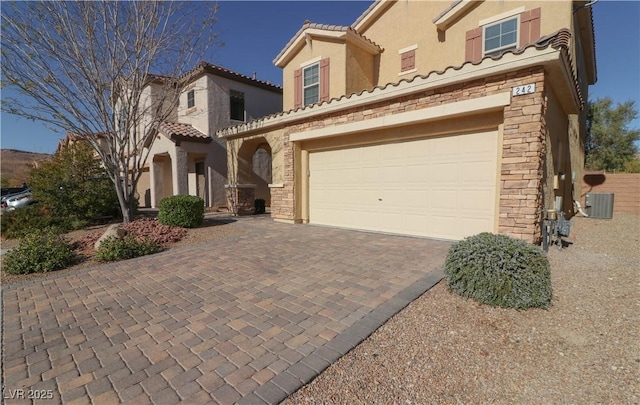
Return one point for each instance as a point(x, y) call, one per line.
point(599, 205)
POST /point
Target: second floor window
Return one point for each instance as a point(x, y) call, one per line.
point(311, 84)
point(501, 37)
point(236, 105)
point(191, 98)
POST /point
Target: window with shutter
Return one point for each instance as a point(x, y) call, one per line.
point(311, 83)
point(500, 35)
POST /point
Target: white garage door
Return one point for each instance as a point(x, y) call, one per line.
point(442, 187)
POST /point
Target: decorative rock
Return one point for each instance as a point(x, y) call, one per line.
point(113, 230)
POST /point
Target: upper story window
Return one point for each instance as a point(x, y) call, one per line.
point(501, 36)
point(510, 30)
point(236, 105)
point(311, 84)
point(191, 98)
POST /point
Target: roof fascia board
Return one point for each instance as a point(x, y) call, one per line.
point(371, 14)
point(445, 20)
point(469, 72)
point(449, 110)
point(302, 38)
point(360, 42)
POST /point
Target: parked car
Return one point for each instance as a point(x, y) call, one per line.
point(19, 200)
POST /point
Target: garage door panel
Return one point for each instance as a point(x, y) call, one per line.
point(439, 187)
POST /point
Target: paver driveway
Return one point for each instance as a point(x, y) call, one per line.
point(247, 319)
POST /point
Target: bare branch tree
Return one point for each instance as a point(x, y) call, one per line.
point(106, 71)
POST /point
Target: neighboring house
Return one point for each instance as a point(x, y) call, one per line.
point(186, 157)
point(428, 119)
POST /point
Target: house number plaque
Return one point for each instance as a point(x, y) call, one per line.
point(524, 89)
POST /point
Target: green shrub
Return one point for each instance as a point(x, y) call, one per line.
point(74, 185)
point(260, 205)
point(114, 248)
point(500, 271)
point(186, 211)
point(39, 252)
point(29, 219)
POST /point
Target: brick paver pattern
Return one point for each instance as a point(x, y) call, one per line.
point(247, 319)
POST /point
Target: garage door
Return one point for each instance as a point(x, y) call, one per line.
point(442, 187)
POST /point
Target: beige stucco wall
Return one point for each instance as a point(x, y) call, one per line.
point(408, 23)
point(558, 165)
point(320, 48)
point(361, 69)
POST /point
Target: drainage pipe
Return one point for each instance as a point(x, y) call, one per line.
point(577, 204)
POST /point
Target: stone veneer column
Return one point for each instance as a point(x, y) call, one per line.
point(282, 198)
point(523, 163)
point(242, 197)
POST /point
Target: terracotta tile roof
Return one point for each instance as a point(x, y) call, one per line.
point(178, 131)
point(325, 27)
point(559, 40)
point(206, 67)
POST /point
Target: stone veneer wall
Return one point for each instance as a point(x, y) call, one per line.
point(523, 150)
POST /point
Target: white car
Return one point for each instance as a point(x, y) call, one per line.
point(19, 200)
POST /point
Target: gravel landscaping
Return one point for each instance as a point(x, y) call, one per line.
point(445, 349)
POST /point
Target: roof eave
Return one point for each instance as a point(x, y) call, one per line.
point(451, 14)
point(304, 36)
point(369, 15)
point(548, 57)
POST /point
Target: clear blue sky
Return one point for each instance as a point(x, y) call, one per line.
point(255, 32)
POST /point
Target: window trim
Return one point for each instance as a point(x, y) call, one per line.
point(191, 99)
point(513, 45)
point(316, 84)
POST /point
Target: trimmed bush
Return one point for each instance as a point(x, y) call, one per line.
point(39, 252)
point(186, 211)
point(260, 205)
point(114, 248)
point(500, 271)
point(29, 219)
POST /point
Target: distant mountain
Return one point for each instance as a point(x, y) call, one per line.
point(15, 165)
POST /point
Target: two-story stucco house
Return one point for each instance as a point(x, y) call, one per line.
point(186, 157)
point(429, 118)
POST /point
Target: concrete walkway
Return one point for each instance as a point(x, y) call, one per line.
point(246, 319)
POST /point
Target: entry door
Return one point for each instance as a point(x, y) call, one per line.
point(442, 187)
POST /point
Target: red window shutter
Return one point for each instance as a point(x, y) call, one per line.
point(324, 80)
point(408, 61)
point(297, 88)
point(411, 60)
point(529, 26)
point(473, 45)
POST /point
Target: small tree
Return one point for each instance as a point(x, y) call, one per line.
point(74, 185)
point(107, 71)
point(610, 143)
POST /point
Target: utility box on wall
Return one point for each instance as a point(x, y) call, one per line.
point(599, 205)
